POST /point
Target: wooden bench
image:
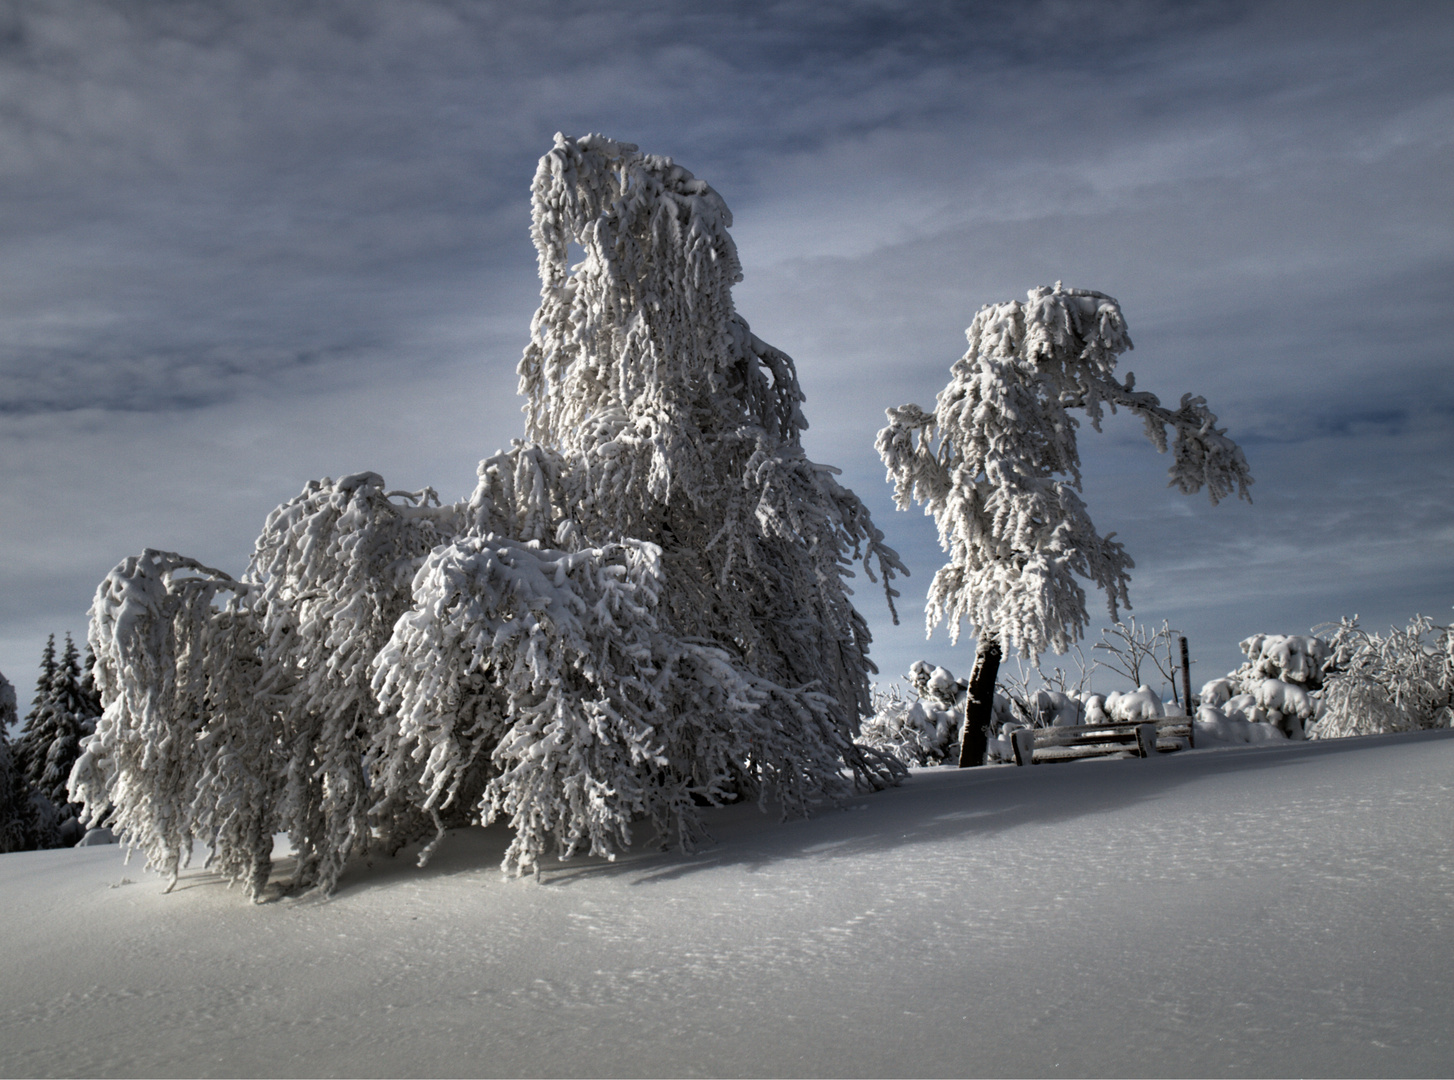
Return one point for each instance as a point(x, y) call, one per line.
point(1036, 746)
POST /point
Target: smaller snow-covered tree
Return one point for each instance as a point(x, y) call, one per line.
point(1399, 681)
point(183, 745)
point(996, 464)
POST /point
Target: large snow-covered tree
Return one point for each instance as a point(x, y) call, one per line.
point(997, 465)
point(642, 609)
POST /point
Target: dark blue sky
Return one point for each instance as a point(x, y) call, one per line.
point(250, 244)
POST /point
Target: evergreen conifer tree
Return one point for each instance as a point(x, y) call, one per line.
point(13, 795)
point(53, 728)
point(26, 742)
point(69, 713)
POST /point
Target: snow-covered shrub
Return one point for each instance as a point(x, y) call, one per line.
point(1053, 708)
point(937, 685)
point(922, 729)
point(1217, 692)
point(1277, 685)
point(640, 610)
point(1399, 681)
point(1244, 707)
point(1216, 725)
point(1288, 700)
point(1297, 659)
point(1139, 704)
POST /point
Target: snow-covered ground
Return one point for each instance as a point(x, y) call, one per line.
point(1274, 910)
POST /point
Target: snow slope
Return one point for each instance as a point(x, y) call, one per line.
point(1273, 910)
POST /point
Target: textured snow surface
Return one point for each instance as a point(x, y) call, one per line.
point(1274, 910)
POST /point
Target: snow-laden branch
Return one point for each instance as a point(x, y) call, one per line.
point(181, 750)
point(332, 572)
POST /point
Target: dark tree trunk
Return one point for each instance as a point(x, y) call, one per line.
point(1186, 676)
point(979, 707)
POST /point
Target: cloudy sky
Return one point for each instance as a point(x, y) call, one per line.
point(247, 244)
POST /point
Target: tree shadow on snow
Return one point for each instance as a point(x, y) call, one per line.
point(938, 805)
point(933, 807)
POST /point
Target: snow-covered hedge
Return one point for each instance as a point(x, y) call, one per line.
point(1292, 686)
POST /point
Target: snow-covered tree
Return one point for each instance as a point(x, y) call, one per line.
point(641, 610)
point(1399, 681)
point(997, 465)
point(678, 426)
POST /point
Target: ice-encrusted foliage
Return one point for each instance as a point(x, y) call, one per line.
point(181, 751)
point(996, 464)
point(537, 686)
point(1399, 681)
point(640, 611)
point(332, 573)
point(674, 424)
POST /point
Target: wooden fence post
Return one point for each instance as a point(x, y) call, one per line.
point(1185, 677)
